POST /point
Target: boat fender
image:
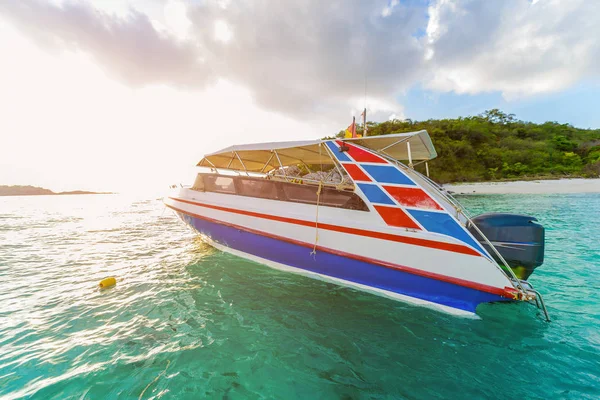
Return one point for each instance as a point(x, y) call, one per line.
point(107, 282)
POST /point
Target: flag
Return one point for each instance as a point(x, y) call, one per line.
point(351, 130)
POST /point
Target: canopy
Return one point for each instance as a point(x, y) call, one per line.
point(264, 157)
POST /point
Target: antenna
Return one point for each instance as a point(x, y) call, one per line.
point(364, 113)
point(365, 99)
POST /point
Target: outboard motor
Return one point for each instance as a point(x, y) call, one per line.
point(518, 238)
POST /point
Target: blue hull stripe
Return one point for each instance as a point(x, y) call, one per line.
point(336, 150)
point(444, 224)
point(387, 174)
point(340, 267)
point(375, 194)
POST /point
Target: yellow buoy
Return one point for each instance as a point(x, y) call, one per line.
point(107, 282)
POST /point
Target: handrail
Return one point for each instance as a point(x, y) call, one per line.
point(543, 305)
point(460, 210)
point(348, 186)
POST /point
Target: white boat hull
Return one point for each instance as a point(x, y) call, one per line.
point(405, 241)
point(417, 267)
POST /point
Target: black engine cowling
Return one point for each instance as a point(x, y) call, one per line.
point(519, 238)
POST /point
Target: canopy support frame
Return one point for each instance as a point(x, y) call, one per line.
point(394, 144)
point(266, 164)
point(280, 164)
point(230, 161)
point(335, 162)
point(305, 154)
point(241, 162)
point(213, 165)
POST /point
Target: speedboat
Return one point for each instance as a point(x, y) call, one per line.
point(357, 213)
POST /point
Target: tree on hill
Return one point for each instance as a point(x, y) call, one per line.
point(495, 145)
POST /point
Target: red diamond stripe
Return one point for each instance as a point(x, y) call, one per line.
point(412, 197)
point(361, 155)
point(395, 216)
point(356, 172)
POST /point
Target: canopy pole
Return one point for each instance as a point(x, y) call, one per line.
point(241, 162)
point(280, 164)
point(230, 161)
point(213, 165)
point(427, 168)
point(393, 144)
point(334, 160)
point(410, 163)
point(266, 164)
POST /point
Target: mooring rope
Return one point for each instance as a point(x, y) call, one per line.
point(155, 379)
point(314, 251)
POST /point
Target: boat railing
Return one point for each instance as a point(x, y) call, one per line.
point(345, 185)
point(529, 293)
point(460, 210)
point(301, 180)
point(438, 191)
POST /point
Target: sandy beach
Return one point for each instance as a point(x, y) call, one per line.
point(528, 187)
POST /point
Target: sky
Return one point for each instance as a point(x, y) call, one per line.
point(125, 96)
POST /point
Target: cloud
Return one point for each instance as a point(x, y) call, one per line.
point(309, 58)
point(298, 57)
point(517, 47)
point(130, 48)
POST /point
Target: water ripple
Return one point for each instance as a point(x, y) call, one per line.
point(217, 326)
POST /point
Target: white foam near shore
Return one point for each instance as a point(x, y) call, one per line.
point(528, 187)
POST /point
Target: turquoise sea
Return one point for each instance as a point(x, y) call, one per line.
point(188, 322)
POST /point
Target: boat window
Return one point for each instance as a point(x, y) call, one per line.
point(219, 184)
point(283, 191)
point(301, 193)
point(335, 198)
point(257, 188)
point(329, 197)
point(198, 183)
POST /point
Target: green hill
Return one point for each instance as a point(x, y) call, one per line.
point(496, 146)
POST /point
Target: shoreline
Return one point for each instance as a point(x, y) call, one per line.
point(574, 185)
point(28, 190)
point(54, 194)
